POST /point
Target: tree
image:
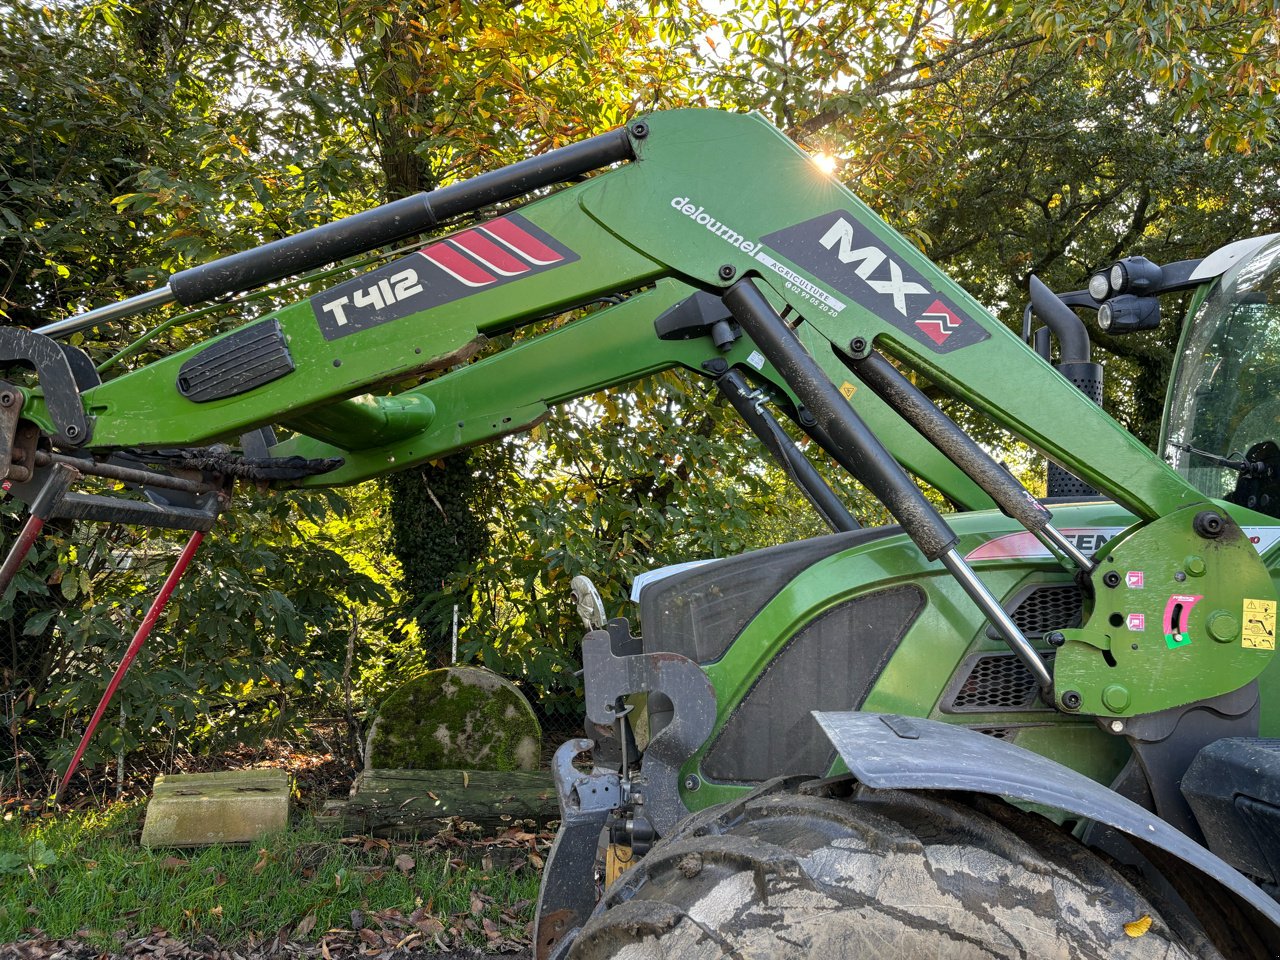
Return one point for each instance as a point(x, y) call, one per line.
point(822, 68)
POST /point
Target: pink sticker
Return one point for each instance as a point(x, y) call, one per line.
point(1137, 622)
point(1133, 579)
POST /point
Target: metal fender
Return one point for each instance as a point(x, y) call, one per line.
point(886, 751)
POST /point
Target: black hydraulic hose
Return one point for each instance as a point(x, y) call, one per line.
point(853, 444)
point(790, 458)
point(395, 221)
point(909, 402)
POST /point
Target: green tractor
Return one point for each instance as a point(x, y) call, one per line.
point(1024, 729)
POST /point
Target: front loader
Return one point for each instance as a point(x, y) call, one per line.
point(1022, 729)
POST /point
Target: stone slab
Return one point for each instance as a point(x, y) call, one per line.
point(199, 809)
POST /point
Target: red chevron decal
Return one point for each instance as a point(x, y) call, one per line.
point(452, 262)
point(523, 243)
point(938, 322)
point(489, 254)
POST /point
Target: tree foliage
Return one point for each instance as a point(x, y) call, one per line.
point(1005, 138)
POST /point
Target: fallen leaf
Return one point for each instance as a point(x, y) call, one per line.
point(172, 863)
point(490, 929)
point(216, 911)
point(405, 863)
point(477, 905)
point(324, 950)
point(371, 937)
point(466, 779)
point(1136, 928)
point(429, 925)
point(305, 926)
point(263, 858)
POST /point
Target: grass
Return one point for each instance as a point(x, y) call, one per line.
point(84, 874)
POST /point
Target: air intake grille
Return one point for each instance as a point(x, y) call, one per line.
point(993, 683)
point(1048, 608)
point(1044, 607)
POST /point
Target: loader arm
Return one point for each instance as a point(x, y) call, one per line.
point(516, 388)
point(825, 291)
point(822, 253)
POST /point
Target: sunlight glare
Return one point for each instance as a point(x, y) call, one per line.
point(825, 162)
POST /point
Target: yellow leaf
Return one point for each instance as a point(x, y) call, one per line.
point(1136, 928)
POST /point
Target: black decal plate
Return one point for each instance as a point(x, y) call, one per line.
point(236, 364)
point(482, 258)
point(842, 252)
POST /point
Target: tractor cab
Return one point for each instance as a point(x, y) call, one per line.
point(1222, 422)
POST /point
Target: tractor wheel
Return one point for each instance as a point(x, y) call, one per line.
point(797, 870)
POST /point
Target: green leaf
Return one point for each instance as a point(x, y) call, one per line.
point(39, 622)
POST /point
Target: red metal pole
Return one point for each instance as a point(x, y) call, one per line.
point(139, 638)
point(29, 534)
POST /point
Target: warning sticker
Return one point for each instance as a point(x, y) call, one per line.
point(847, 390)
point(1259, 631)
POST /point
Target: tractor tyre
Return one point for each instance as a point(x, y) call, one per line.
point(837, 871)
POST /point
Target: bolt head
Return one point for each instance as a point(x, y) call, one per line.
point(1115, 697)
point(1208, 524)
point(727, 271)
point(1222, 626)
point(1117, 726)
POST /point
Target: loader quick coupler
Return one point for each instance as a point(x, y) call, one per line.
point(62, 371)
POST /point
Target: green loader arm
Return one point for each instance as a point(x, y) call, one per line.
point(824, 290)
point(515, 389)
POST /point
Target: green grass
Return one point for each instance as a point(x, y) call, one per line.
point(84, 873)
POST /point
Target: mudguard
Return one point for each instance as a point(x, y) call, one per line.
point(909, 753)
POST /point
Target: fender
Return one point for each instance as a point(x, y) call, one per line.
point(886, 751)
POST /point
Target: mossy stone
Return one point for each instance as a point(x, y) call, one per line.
point(457, 718)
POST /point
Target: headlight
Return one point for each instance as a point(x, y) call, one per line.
point(1136, 275)
point(1099, 286)
point(1127, 313)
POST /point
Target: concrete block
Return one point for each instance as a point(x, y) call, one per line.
point(198, 809)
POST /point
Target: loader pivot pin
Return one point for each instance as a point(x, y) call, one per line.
point(139, 638)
